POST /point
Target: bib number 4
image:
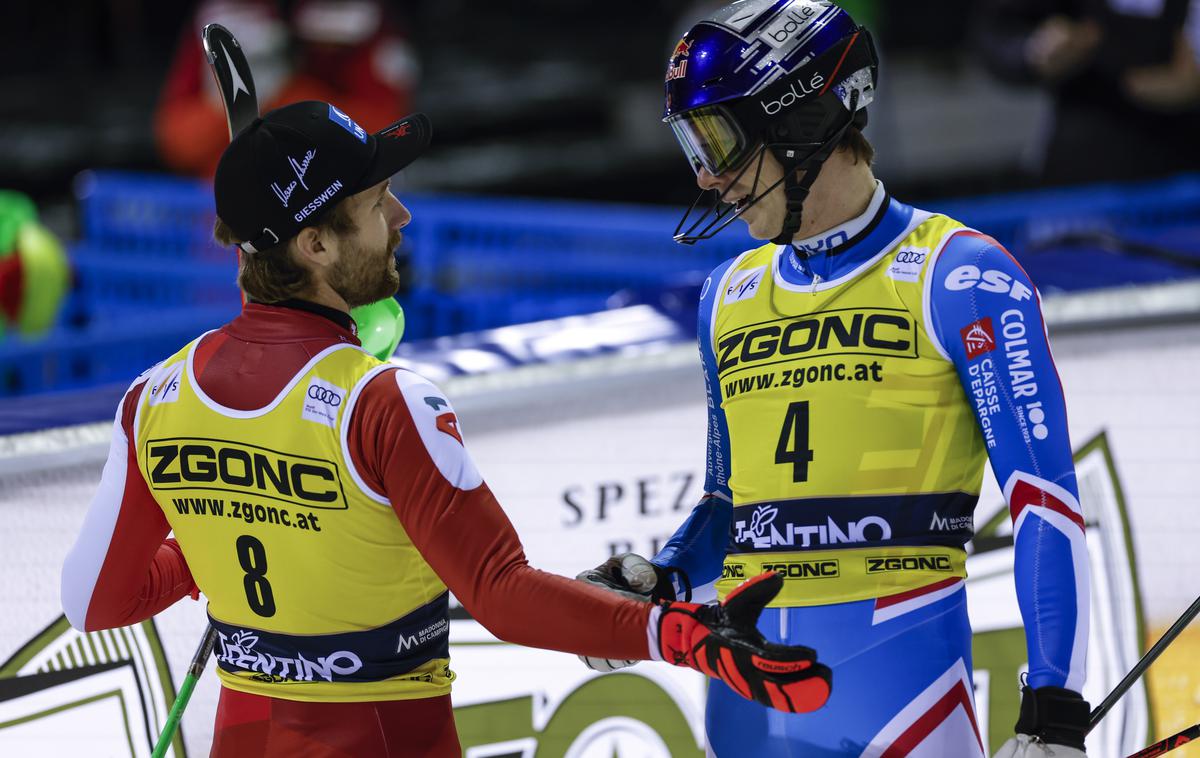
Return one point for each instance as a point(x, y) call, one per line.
point(793, 441)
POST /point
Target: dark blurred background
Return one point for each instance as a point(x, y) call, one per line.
point(555, 98)
point(1064, 128)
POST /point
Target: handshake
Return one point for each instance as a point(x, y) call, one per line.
point(721, 641)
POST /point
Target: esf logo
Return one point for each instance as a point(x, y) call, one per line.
point(733, 571)
point(821, 334)
point(909, 563)
point(792, 95)
point(805, 569)
point(968, 276)
point(324, 395)
point(209, 465)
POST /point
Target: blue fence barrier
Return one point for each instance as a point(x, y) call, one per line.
point(149, 276)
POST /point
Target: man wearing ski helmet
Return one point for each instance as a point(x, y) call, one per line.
point(861, 370)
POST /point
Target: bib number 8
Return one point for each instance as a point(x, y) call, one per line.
point(253, 559)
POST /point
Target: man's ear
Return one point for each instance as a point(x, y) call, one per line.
point(314, 248)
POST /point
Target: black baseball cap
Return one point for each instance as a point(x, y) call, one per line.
point(286, 169)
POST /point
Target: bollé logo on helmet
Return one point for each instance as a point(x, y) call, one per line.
point(785, 27)
point(793, 96)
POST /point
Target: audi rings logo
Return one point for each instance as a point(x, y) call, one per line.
point(320, 394)
point(910, 256)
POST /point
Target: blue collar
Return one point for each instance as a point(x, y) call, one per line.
point(849, 245)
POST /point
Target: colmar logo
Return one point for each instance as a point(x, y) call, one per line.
point(1022, 378)
point(743, 285)
point(978, 338)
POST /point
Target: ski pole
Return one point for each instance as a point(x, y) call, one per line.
point(1140, 668)
point(1170, 743)
point(185, 692)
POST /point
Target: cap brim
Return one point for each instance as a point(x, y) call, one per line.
point(399, 145)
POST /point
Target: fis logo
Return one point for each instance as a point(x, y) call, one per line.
point(166, 389)
point(978, 338)
point(743, 285)
point(909, 563)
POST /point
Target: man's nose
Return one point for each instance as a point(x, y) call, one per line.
point(399, 215)
point(707, 181)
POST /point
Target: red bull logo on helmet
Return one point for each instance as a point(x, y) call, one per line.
point(678, 69)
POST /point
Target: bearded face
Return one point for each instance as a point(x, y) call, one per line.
point(363, 274)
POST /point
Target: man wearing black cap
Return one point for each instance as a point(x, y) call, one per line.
point(323, 500)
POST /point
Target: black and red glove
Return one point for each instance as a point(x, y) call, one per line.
point(723, 642)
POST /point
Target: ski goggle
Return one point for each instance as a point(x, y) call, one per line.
point(711, 139)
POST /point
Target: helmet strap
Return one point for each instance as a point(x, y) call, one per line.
point(800, 175)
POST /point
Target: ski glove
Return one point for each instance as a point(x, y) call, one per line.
point(723, 642)
point(636, 578)
point(1053, 722)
